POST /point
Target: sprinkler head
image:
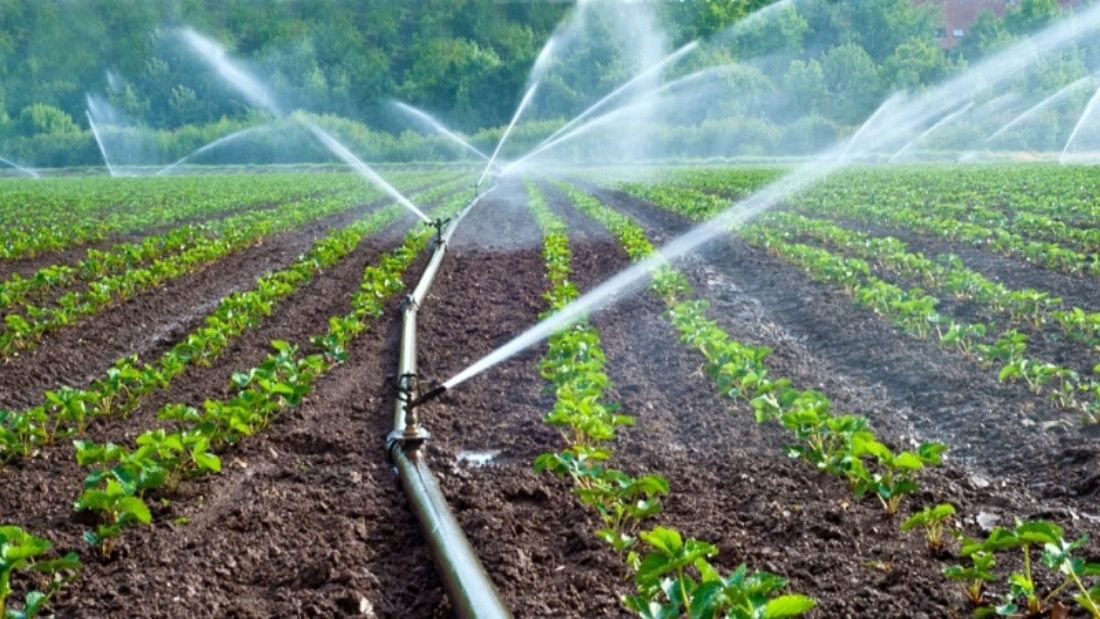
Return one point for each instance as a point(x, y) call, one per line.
point(409, 391)
point(434, 391)
point(438, 224)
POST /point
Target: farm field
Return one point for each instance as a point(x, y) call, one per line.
point(955, 311)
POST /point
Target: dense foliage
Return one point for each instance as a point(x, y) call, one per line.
point(468, 62)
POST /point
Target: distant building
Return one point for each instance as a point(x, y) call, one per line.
point(959, 15)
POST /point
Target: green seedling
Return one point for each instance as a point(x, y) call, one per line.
point(898, 471)
point(932, 520)
point(20, 551)
point(675, 580)
point(974, 577)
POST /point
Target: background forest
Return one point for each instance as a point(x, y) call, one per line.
point(465, 61)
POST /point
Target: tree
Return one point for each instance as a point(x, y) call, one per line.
point(880, 26)
point(915, 63)
point(985, 35)
point(804, 85)
point(691, 21)
point(1031, 16)
point(852, 80)
point(778, 33)
point(41, 118)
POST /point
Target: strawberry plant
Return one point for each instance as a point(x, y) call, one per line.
point(896, 474)
point(932, 520)
point(118, 507)
point(974, 577)
point(21, 552)
point(1057, 554)
point(675, 579)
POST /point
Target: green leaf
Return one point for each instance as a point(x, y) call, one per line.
point(1039, 532)
point(788, 606)
point(918, 519)
point(136, 507)
point(705, 599)
point(907, 460)
point(668, 541)
point(208, 462)
point(943, 510)
point(653, 566)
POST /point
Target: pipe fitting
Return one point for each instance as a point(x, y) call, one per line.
point(411, 393)
point(438, 224)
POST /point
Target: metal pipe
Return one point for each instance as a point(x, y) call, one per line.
point(470, 589)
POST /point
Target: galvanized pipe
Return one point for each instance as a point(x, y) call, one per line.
point(470, 589)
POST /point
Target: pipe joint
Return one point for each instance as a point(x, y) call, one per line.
point(412, 393)
point(409, 302)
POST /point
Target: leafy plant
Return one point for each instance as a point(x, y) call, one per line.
point(1057, 555)
point(974, 577)
point(20, 551)
point(932, 520)
point(897, 473)
point(675, 580)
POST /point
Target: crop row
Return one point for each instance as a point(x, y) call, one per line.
point(836, 444)
point(839, 445)
point(125, 256)
point(1029, 307)
point(54, 214)
point(1057, 255)
point(947, 204)
point(915, 312)
point(1063, 194)
point(67, 411)
point(573, 364)
point(121, 481)
point(23, 329)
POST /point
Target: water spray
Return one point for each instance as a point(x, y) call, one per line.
point(233, 75)
point(1080, 123)
point(667, 60)
point(99, 141)
point(515, 117)
point(27, 171)
point(438, 126)
point(214, 144)
point(1040, 106)
point(943, 121)
point(619, 112)
point(357, 164)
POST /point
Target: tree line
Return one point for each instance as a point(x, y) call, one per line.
point(466, 61)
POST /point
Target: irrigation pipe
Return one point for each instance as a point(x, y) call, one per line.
point(470, 589)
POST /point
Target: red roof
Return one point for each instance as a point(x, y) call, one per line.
point(958, 15)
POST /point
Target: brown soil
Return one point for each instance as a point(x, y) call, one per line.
point(308, 519)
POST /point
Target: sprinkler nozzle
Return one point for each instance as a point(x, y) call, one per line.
point(436, 390)
point(438, 224)
point(409, 392)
